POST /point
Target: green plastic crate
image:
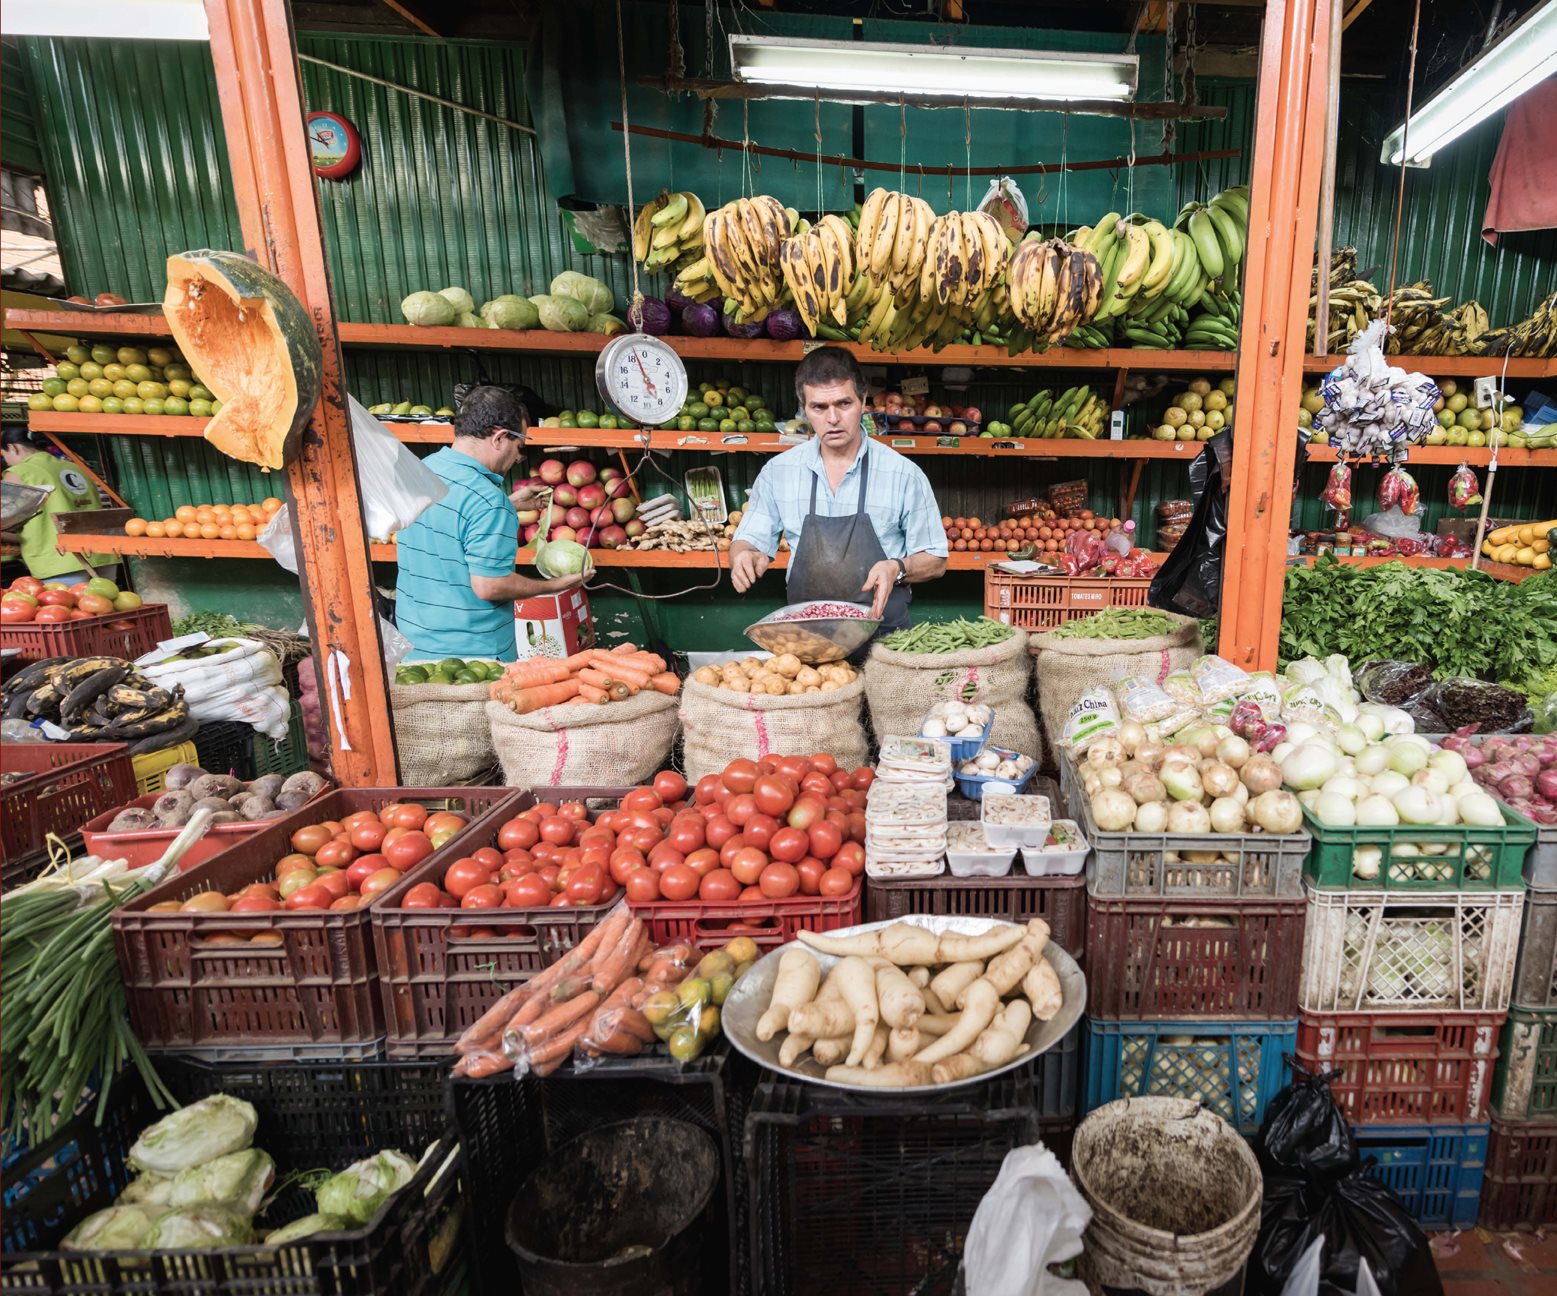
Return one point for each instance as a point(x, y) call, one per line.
point(1524, 1087)
point(288, 756)
point(1472, 859)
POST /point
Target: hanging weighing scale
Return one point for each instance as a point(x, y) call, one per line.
point(643, 377)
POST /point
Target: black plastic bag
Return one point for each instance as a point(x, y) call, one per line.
point(1190, 582)
point(1392, 683)
point(1460, 701)
point(1305, 1130)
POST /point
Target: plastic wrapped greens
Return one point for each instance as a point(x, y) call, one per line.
point(195, 1134)
point(357, 1192)
point(1392, 683)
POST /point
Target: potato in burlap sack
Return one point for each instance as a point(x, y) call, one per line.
point(720, 725)
point(441, 732)
point(902, 686)
point(1066, 668)
point(584, 744)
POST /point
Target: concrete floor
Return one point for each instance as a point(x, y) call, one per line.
point(1479, 1263)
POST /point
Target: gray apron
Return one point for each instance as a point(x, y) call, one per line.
point(834, 556)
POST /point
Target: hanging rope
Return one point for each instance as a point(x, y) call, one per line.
point(967, 156)
point(635, 308)
point(819, 186)
point(902, 149)
point(1400, 193)
point(746, 190)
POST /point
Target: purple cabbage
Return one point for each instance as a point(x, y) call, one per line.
point(784, 325)
point(677, 300)
point(656, 316)
point(700, 320)
point(740, 330)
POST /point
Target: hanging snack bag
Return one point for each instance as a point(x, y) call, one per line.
point(1464, 489)
point(1338, 489)
point(1398, 489)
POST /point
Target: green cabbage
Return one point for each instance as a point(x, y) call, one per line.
point(469, 319)
point(510, 312)
point(147, 1190)
point(595, 296)
point(238, 1179)
point(561, 314)
point(357, 1192)
point(428, 310)
point(305, 1227)
point(195, 1134)
point(607, 324)
point(464, 304)
point(200, 1227)
point(119, 1228)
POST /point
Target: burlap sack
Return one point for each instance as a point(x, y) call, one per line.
point(582, 744)
point(1066, 668)
point(720, 725)
point(902, 686)
point(441, 732)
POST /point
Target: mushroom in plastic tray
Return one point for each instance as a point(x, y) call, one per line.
point(814, 631)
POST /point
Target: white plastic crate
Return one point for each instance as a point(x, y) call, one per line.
point(1380, 951)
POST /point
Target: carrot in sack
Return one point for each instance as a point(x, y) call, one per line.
point(679, 953)
point(596, 678)
point(604, 1025)
point(666, 682)
point(543, 695)
point(476, 1065)
point(621, 670)
point(589, 693)
point(634, 1023)
point(612, 967)
point(537, 671)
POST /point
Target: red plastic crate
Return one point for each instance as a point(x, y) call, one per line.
point(1059, 901)
point(1045, 602)
point(146, 845)
point(63, 786)
point(281, 985)
point(1405, 1068)
point(1520, 1188)
point(119, 634)
point(1160, 964)
point(770, 923)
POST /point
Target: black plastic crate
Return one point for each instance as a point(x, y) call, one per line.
point(310, 1117)
point(860, 1195)
point(507, 1128)
point(226, 747)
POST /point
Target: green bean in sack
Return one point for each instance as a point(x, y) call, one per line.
point(972, 661)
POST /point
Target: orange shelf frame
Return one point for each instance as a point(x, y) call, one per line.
point(1508, 456)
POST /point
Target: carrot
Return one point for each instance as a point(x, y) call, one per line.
point(618, 1001)
point(637, 1025)
point(666, 683)
point(611, 968)
point(625, 648)
point(618, 669)
point(589, 693)
point(552, 1054)
point(543, 695)
point(540, 671)
point(491, 1022)
point(547, 1025)
point(476, 1065)
point(597, 678)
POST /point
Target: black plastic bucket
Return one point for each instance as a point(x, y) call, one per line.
point(619, 1211)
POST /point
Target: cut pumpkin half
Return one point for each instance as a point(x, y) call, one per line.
point(251, 341)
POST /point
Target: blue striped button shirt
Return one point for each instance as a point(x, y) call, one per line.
point(898, 499)
point(472, 531)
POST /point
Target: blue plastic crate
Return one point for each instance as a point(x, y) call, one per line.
point(1436, 1170)
point(972, 785)
point(1232, 1068)
point(962, 748)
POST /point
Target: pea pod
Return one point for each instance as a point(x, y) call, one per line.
point(1118, 623)
point(948, 636)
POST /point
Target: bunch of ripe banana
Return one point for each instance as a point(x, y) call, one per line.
point(1352, 305)
point(1420, 326)
point(742, 242)
point(1219, 230)
point(1536, 336)
point(669, 229)
point(1343, 269)
point(1054, 288)
point(1215, 326)
point(1472, 317)
point(818, 266)
point(892, 240)
point(100, 699)
point(1078, 413)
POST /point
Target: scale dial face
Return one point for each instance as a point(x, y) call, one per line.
point(643, 377)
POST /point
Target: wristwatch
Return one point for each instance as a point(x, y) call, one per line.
point(902, 571)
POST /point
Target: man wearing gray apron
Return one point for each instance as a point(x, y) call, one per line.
point(861, 519)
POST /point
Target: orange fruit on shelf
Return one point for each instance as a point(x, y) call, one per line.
point(203, 514)
point(245, 531)
point(155, 530)
point(227, 532)
point(185, 512)
point(209, 530)
point(271, 505)
point(136, 526)
point(191, 530)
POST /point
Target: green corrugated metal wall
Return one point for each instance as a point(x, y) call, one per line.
point(19, 146)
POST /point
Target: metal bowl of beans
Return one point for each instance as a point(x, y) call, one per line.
point(815, 632)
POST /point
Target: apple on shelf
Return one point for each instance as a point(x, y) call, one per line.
point(897, 412)
point(594, 506)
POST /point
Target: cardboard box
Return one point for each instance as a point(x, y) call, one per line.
point(553, 625)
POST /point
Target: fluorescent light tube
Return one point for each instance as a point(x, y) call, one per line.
point(121, 19)
point(1524, 58)
point(951, 70)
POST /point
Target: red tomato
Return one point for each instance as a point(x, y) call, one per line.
point(687, 833)
point(773, 795)
point(789, 845)
point(645, 839)
point(747, 865)
point(465, 875)
point(586, 885)
point(336, 853)
point(643, 886)
point(574, 810)
point(679, 883)
point(405, 852)
point(753, 893)
point(810, 870)
point(794, 767)
point(55, 596)
point(854, 799)
point(863, 777)
point(520, 834)
point(515, 869)
point(444, 821)
point(598, 837)
point(27, 585)
point(670, 785)
point(807, 811)
point(709, 790)
point(740, 775)
point(818, 785)
point(703, 862)
point(850, 858)
point(16, 612)
point(841, 780)
point(857, 826)
point(493, 859)
point(260, 889)
point(624, 859)
point(837, 805)
point(557, 830)
point(664, 855)
point(486, 896)
point(825, 837)
point(424, 895)
point(740, 809)
point(719, 830)
point(254, 904)
point(294, 861)
point(550, 873)
point(759, 830)
point(378, 883)
point(312, 896)
point(560, 901)
point(663, 817)
point(365, 867)
point(732, 848)
point(837, 882)
point(779, 881)
point(53, 615)
point(367, 836)
point(720, 885)
point(528, 892)
point(349, 902)
point(823, 763)
point(403, 814)
point(309, 838)
point(642, 798)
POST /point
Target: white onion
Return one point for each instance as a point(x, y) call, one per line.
point(1132, 735)
point(1336, 809)
point(1344, 785)
point(1105, 751)
point(1152, 817)
point(1148, 752)
point(1233, 751)
point(1188, 817)
point(1450, 764)
point(1182, 781)
point(1433, 780)
point(1114, 810)
point(1367, 861)
point(1241, 794)
point(1406, 758)
point(1227, 815)
point(1350, 739)
point(1300, 732)
point(1109, 776)
point(1376, 812)
point(1310, 798)
point(1260, 774)
point(1372, 726)
point(1310, 766)
point(1282, 750)
point(1218, 779)
point(1416, 805)
point(1479, 810)
point(1277, 812)
point(1371, 760)
point(1388, 783)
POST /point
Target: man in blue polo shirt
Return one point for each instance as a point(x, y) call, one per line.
point(457, 584)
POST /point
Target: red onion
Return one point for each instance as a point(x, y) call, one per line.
point(1527, 765)
point(1515, 786)
point(1472, 754)
point(1546, 783)
point(1542, 814)
point(1501, 770)
point(1522, 743)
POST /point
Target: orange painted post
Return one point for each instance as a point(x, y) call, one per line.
point(1289, 135)
point(257, 82)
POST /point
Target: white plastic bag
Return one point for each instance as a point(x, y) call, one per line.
point(242, 683)
point(1031, 1217)
point(1304, 1278)
point(1003, 200)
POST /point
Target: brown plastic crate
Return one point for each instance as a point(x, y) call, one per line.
point(63, 786)
point(436, 980)
point(119, 634)
point(1159, 965)
point(311, 992)
point(1408, 1068)
point(1520, 1188)
point(1046, 602)
point(1059, 901)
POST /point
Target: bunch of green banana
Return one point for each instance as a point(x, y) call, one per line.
point(1352, 305)
point(1054, 287)
point(818, 267)
point(668, 229)
point(1078, 413)
point(1536, 336)
point(742, 241)
point(1219, 230)
point(100, 699)
point(1091, 337)
point(891, 240)
point(1140, 260)
point(1159, 328)
point(1215, 327)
